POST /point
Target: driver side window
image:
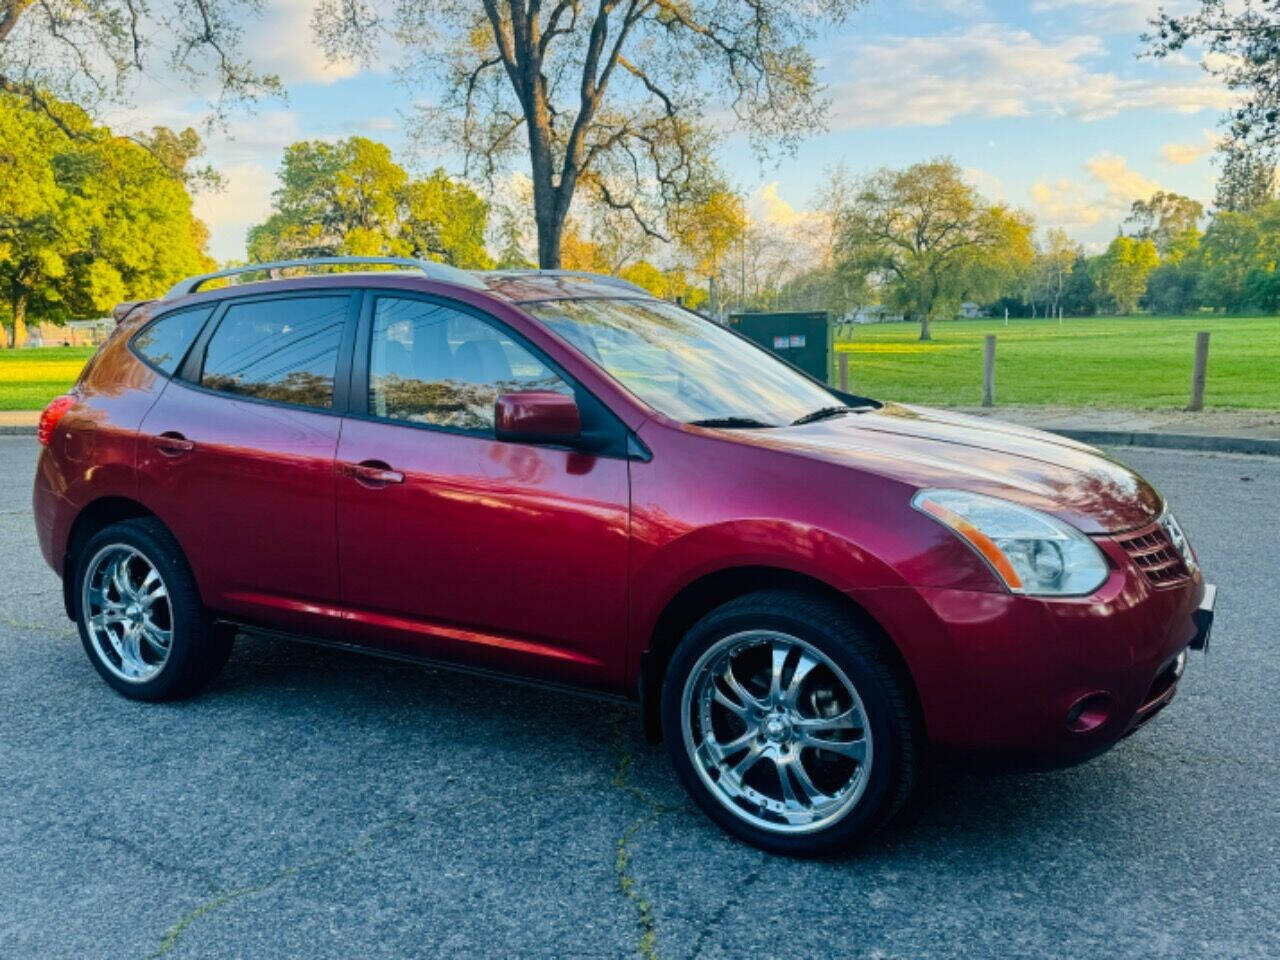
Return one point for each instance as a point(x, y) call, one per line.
point(432, 364)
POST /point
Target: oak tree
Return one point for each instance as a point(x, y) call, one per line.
point(351, 197)
point(609, 97)
point(89, 52)
point(929, 239)
point(88, 220)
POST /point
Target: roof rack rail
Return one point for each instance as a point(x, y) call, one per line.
point(605, 278)
point(433, 270)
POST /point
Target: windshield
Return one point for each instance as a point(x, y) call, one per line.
point(684, 366)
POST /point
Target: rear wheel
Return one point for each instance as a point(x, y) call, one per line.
point(140, 616)
point(788, 723)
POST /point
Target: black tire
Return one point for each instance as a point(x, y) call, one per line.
point(860, 651)
point(198, 647)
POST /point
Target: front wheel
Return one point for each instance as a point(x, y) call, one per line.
point(140, 616)
point(789, 724)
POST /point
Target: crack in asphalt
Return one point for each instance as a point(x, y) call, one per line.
point(140, 852)
point(7, 621)
point(223, 898)
point(627, 883)
point(220, 899)
point(716, 918)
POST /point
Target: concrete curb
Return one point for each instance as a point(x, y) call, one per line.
point(1210, 443)
point(1207, 443)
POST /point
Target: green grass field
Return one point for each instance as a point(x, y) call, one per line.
point(29, 379)
point(1135, 362)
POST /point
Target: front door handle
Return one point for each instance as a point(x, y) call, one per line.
point(372, 473)
point(173, 444)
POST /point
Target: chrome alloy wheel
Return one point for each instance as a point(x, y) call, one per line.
point(776, 731)
point(125, 605)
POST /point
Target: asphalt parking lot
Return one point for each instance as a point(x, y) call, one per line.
point(318, 804)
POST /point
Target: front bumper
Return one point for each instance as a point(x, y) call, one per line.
point(1203, 618)
point(1165, 685)
point(1046, 682)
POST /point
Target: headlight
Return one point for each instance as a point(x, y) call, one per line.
point(1032, 552)
point(1173, 530)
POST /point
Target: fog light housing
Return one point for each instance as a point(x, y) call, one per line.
point(1088, 713)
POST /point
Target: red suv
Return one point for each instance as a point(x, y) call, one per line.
point(559, 476)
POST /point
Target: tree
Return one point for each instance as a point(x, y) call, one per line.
point(609, 97)
point(931, 239)
point(444, 219)
point(87, 221)
point(1044, 279)
point(351, 197)
point(706, 230)
point(1058, 259)
point(1166, 219)
point(1121, 272)
point(1243, 39)
point(54, 52)
point(1173, 288)
point(1248, 181)
point(39, 221)
point(1080, 296)
point(1238, 258)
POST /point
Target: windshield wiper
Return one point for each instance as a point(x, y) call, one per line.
point(825, 413)
point(731, 423)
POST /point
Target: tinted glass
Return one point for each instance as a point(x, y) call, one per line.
point(165, 342)
point(284, 350)
point(680, 364)
point(431, 364)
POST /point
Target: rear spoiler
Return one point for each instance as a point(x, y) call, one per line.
point(122, 310)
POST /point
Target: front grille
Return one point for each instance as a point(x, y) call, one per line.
point(1155, 556)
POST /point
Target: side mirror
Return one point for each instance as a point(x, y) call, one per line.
point(537, 416)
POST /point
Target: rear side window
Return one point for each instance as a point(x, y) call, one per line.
point(284, 349)
point(166, 340)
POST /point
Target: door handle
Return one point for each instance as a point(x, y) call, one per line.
point(372, 473)
point(173, 444)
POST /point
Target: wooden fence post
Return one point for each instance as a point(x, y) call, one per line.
point(842, 358)
point(989, 371)
point(1197, 372)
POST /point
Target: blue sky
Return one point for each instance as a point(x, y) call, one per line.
point(1043, 103)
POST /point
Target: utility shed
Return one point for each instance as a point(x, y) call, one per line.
point(801, 339)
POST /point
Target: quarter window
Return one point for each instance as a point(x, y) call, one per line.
point(432, 364)
point(284, 350)
point(166, 340)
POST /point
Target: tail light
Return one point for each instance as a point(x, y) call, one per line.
point(52, 415)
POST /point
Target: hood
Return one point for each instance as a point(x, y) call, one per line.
point(933, 448)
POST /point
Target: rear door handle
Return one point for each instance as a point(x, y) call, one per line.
point(372, 473)
point(173, 444)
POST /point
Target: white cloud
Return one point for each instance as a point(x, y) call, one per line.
point(1182, 154)
point(969, 9)
point(986, 183)
point(1065, 203)
point(994, 70)
point(244, 201)
point(1104, 196)
point(281, 42)
point(765, 205)
point(1123, 185)
point(1111, 14)
point(260, 138)
point(1116, 16)
point(377, 124)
